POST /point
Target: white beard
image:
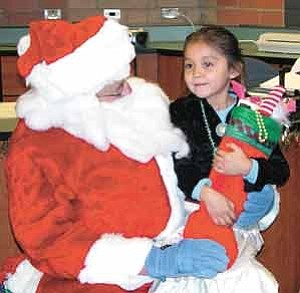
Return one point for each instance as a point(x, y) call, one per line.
point(137, 124)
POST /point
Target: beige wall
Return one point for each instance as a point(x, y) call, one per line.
point(147, 12)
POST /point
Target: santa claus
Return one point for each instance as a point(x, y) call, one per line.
point(92, 191)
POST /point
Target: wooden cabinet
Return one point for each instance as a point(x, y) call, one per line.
point(12, 84)
point(281, 253)
point(166, 70)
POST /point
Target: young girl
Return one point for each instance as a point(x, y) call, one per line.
point(212, 60)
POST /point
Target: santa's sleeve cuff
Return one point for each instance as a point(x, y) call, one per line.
point(114, 259)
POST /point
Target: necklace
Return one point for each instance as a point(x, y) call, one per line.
point(221, 129)
point(262, 130)
point(207, 128)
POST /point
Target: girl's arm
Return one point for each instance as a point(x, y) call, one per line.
point(274, 170)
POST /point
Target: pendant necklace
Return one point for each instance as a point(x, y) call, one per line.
point(221, 128)
point(207, 128)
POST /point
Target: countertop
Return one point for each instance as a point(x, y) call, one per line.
point(8, 49)
point(8, 119)
point(249, 48)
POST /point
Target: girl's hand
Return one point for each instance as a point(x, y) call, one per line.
point(220, 208)
point(234, 162)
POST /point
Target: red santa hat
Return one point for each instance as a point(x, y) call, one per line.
point(51, 40)
point(78, 57)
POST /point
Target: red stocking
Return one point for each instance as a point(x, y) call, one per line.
point(200, 224)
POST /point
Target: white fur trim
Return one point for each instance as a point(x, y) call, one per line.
point(81, 117)
point(114, 259)
point(172, 233)
point(23, 45)
point(25, 279)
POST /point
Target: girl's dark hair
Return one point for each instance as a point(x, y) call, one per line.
point(220, 39)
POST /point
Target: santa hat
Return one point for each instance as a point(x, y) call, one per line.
point(94, 52)
point(51, 40)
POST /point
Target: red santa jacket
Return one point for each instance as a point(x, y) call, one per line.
point(66, 197)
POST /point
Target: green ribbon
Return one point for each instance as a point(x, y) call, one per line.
point(243, 126)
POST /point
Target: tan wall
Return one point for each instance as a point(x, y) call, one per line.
point(147, 12)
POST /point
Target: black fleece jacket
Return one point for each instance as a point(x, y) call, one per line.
point(186, 114)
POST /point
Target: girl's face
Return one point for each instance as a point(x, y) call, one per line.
point(206, 71)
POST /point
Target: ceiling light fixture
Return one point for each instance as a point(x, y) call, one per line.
point(174, 13)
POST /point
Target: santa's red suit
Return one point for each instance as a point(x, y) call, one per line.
point(91, 184)
point(68, 199)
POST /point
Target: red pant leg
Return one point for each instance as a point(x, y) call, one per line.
point(53, 285)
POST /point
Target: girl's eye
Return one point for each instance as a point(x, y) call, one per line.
point(208, 64)
point(188, 65)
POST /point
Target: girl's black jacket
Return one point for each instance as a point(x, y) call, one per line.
point(186, 114)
